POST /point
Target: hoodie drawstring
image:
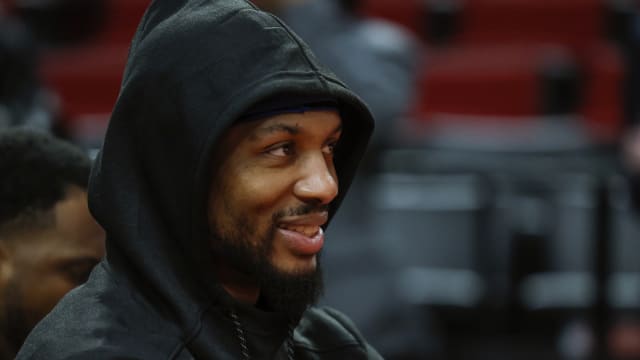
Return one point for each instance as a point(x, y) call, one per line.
point(290, 343)
point(240, 334)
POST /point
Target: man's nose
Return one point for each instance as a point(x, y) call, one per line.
point(317, 182)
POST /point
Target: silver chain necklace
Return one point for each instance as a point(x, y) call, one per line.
point(244, 349)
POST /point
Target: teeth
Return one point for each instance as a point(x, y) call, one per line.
point(307, 231)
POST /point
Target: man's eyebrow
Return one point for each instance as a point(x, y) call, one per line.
point(278, 127)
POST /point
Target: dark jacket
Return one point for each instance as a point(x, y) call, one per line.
point(194, 67)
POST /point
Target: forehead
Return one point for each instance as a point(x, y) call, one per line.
point(309, 123)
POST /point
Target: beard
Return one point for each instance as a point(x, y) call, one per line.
point(250, 253)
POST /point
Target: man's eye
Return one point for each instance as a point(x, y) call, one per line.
point(281, 150)
point(330, 148)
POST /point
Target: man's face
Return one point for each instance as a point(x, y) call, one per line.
point(44, 264)
point(272, 183)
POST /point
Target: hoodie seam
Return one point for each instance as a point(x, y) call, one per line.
point(193, 333)
point(302, 51)
point(332, 80)
point(178, 349)
point(132, 297)
point(335, 317)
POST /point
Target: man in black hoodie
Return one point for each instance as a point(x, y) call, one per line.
point(217, 177)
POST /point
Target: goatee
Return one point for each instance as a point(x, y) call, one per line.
point(289, 293)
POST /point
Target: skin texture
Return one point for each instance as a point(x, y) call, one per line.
point(38, 267)
point(268, 174)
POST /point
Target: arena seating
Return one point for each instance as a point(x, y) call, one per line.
point(515, 58)
point(87, 77)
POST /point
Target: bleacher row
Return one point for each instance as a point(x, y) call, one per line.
point(512, 59)
point(506, 247)
point(87, 76)
point(518, 59)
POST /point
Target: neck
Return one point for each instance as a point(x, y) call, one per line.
point(241, 287)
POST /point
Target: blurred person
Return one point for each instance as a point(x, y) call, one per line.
point(622, 339)
point(48, 240)
point(631, 139)
point(631, 156)
point(31, 31)
point(23, 99)
point(229, 149)
point(60, 23)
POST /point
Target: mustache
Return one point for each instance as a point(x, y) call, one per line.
point(305, 209)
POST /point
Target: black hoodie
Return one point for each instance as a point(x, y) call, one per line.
point(194, 67)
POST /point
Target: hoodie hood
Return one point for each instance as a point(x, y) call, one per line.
point(195, 67)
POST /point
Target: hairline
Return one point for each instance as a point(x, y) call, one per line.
point(33, 219)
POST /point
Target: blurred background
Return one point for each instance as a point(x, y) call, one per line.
point(496, 215)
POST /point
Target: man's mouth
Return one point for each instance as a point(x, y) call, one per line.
point(304, 235)
point(306, 230)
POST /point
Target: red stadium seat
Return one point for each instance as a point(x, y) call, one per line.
point(512, 83)
point(486, 80)
point(602, 104)
point(576, 23)
point(87, 78)
point(122, 20)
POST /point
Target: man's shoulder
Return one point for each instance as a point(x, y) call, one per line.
point(100, 320)
point(324, 330)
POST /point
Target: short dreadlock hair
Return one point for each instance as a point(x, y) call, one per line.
point(36, 170)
